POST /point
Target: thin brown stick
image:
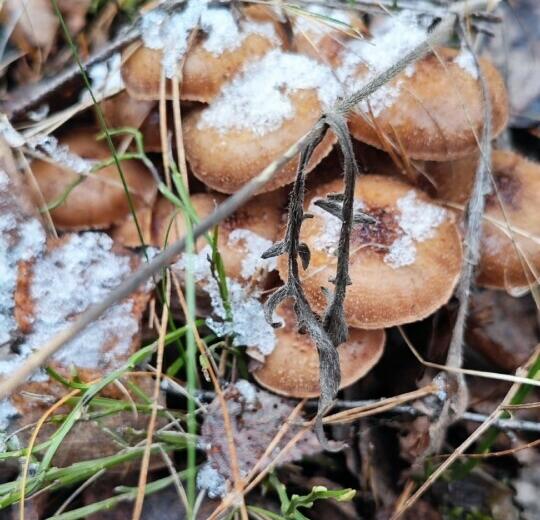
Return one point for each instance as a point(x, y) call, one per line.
point(143, 474)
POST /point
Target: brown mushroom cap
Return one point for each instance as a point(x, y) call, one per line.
point(390, 285)
point(100, 200)
point(260, 218)
point(126, 232)
point(203, 73)
point(226, 161)
point(438, 111)
point(518, 186)
point(292, 369)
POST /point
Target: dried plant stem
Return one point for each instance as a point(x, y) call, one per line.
point(143, 473)
point(490, 421)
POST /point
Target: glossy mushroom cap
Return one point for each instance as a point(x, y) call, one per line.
point(257, 118)
point(212, 60)
point(292, 369)
point(242, 238)
point(510, 257)
point(434, 111)
point(100, 200)
point(403, 267)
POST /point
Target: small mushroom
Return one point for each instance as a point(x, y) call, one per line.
point(292, 369)
point(405, 255)
point(99, 201)
point(510, 257)
point(222, 47)
point(242, 238)
point(257, 118)
point(433, 111)
point(126, 233)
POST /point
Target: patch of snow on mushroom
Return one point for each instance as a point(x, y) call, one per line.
point(105, 78)
point(7, 412)
point(21, 238)
point(248, 326)
point(253, 246)
point(258, 100)
point(169, 32)
point(391, 41)
point(65, 282)
point(465, 59)
point(418, 221)
point(209, 479)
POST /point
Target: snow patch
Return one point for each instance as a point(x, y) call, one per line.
point(418, 221)
point(465, 59)
point(254, 246)
point(7, 412)
point(391, 41)
point(247, 391)
point(258, 99)
point(105, 78)
point(248, 326)
point(169, 33)
point(325, 19)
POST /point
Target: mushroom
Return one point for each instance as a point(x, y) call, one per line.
point(510, 249)
point(256, 119)
point(242, 237)
point(99, 201)
point(126, 233)
point(219, 52)
point(403, 265)
point(292, 369)
point(510, 256)
point(432, 111)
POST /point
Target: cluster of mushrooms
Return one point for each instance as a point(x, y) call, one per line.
point(249, 89)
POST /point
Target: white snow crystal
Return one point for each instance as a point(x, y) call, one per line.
point(209, 479)
point(169, 33)
point(391, 42)
point(418, 221)
point(105, 78)
point(465, 60)
point(65, 282)
point(254, 246)
point(7, 412)
point(258, 99)
point(61, 154)
point(247, 390)
point(324, 20)
point(248, 326)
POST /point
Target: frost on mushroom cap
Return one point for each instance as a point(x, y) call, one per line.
point(258, 100)
point(292, 369)
point(169, 33)
point(242, 238)
point(248, 326)
point(432, 112)
point(21, 238)
point(391, 41)
point(57, 285)
point(403, 267)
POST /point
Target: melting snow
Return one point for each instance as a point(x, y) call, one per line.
point(465, 60)
point(254, 246)
point(391, 41)
point(169, 33)
point(418, 220)
point(248, 326)
point(258, 99)
point(105, 78)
